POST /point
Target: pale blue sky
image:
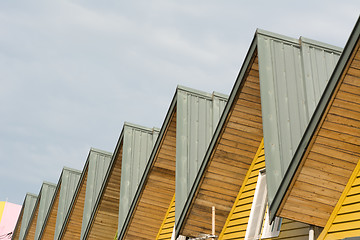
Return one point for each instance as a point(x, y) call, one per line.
point(71, 72)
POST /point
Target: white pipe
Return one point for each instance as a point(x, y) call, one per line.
point(213, 221)
point(311, 233)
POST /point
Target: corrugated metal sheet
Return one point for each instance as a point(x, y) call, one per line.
point(28, 207)
point(138, 144)
point(198, 114)
point(98, 165)
point(46, 195)
point(293, 76)
point(69, 180)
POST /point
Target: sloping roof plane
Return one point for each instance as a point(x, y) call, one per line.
point(329, 148)
point(39, 212)
point(129, 160)
point(60, 203)
point(86, 192)
point(293, 75)
point(153, 197)
point(24, 217)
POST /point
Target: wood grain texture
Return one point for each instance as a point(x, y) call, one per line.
point(230, 159)
point(105, 222)
point(158, 190)
point(332, 154)
point(50, 222)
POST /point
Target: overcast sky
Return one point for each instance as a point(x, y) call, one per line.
point(71, 72)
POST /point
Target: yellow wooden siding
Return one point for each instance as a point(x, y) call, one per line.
point(345, 218)
point(167, 226)
point(236, 223)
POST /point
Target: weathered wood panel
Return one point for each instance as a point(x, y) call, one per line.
point(331, 156)
point(231, 158)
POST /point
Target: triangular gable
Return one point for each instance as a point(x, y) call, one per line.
point(85, 194)
point(39, 213)
point(167, 227)
point(157, 186)
point(60, 203)
point(345, 219)
point(240, 130)
point(129, 160)
point(329, 149)
point(25, 215)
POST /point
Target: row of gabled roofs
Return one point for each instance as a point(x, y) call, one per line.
point(294, 108)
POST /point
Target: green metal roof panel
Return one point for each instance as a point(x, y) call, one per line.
point(98, 161)
point(138, 143)
point(293, 75)
point(197, 116)
point(46, 194)
point(314, 121)
point(27, 209)
point(69, 179)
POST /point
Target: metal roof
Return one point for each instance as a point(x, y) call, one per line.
point(281, 59)
point(314, 121)
point(45, 196)
point(98, 163)
point(27, 209)
point(138, 143)
point(198, 114)
point(179, 95)
point(68, 181)
point(293, 75)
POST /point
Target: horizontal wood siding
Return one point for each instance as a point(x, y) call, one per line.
point(158, 191)
point(236, 224)
point(167, 226)
point(105, 222)
point(345, 219)
point(72, 228)
point(231, 158)
point(332, 154)
point(50, 223)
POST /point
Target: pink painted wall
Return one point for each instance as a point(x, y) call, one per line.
point(9, 217)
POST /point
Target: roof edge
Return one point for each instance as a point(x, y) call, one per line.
point(277, 36)
point(314, 121)
point(133, 125)
point(201, 93)
point(99, 151)
point(321, 44)
point(72, 170)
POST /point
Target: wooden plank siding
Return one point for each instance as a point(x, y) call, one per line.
point(230, 159)
point(31, 228)
point(105, 222)
point(16, 234)
point(332, 153)
point(158, 191)
point(50, 224)
point(168, 224)
point(72, 226)
point(236, 223)
point(345, 219)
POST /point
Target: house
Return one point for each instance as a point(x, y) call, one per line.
point(186, 132)
point(25, 215)
point(60, 203)
point(126, 168)
point(87, 190)
point(320, 185)
point(273, 98)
